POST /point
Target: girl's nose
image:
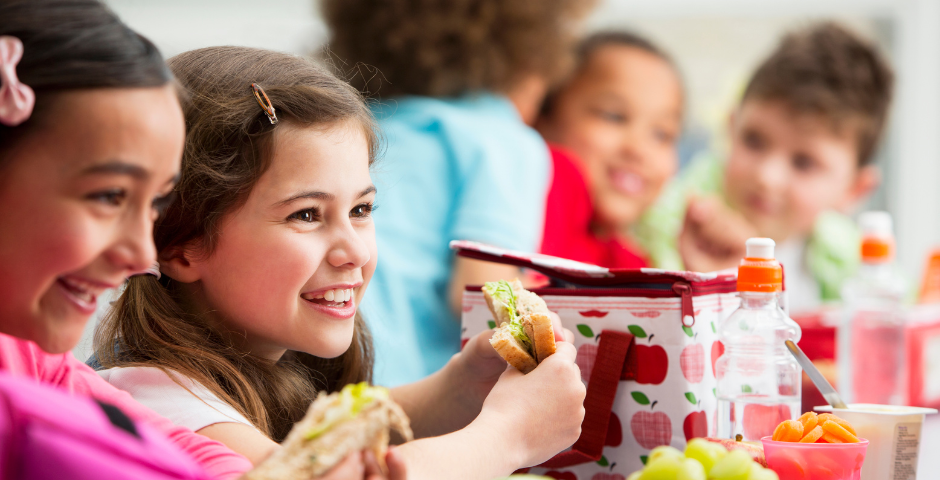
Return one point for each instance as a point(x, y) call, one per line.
point(631, 143)
point(133, 249)
point(349, 249)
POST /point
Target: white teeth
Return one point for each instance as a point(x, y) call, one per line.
point(82, 291)
point(339, 295)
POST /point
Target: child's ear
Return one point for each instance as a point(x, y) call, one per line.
point(179, 263)
point(866, 181)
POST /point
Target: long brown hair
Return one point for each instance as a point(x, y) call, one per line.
point(228, 148)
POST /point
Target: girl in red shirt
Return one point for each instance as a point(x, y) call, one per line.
point(613, 129)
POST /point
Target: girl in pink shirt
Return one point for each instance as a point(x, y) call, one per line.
point(91, 135)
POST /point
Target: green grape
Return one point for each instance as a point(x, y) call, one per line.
point(690, 469)
point(635, 475)
point(760, 473)
point(707, 453)
point(664, 451)
point(664, 467)
point(735, 466)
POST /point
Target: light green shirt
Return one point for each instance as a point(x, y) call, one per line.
point(832, 248)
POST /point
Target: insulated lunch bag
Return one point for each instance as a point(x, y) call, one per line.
point(647, 345)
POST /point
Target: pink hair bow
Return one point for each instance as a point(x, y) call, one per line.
point(16, 99)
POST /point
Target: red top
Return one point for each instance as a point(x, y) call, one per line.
point(568, 215)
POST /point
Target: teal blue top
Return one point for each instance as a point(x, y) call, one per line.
point(453, 169)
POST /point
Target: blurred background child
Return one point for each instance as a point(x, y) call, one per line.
point(458, 83)
point(612, 130)
point(802, 141)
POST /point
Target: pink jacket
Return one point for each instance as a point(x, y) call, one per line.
point(25, 358)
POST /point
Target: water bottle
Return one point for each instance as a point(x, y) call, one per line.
point(870, 349)
point(758, 380)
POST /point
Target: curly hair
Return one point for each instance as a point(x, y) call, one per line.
point(444, 48)
point(827, 70)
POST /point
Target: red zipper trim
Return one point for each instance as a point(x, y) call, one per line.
point(624, 276)
point(627, 291)
point(684, 290)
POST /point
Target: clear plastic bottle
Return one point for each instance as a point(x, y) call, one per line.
point(870, 348)
point(759, 381)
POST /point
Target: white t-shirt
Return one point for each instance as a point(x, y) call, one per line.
point(194, 408)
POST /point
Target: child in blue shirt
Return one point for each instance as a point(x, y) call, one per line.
point(458, 85)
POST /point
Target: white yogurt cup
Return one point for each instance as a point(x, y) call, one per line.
point(893, 433)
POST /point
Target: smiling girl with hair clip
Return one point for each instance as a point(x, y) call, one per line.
point(264, 258)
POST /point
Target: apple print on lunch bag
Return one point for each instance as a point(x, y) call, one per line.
point(656, 332)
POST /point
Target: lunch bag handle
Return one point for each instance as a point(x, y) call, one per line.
point(612, 364)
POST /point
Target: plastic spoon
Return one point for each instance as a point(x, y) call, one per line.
point(829, 393)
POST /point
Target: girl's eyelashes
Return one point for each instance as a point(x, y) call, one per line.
point(160, 204)
point(664, 135)
point(363, 210)
point(112, 197)
point(307, 215)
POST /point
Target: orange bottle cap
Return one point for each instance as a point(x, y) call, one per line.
point(877, 237)
point(760, 275)
point(759, 271)
point(877, 249)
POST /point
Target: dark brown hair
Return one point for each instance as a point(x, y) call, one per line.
point(595, 42)
point(75, 44)
point(829, 71)
point(444, 48)
point(228, 147)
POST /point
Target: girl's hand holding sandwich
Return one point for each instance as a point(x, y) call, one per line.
point(525, 420)
point(460, 387)
point(480, 366)
point(538, 414)
point(518, 420)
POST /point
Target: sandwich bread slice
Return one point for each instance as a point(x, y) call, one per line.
point(358, 417)
point(524, 336)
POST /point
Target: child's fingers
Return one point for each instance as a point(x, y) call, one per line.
point(350, 467)
point(557, 326)
point(372, 469)
point(479, 345)
point(700, 209)
point(569, 336)
point(509, 373)
point(396, 465)
point(564, 352)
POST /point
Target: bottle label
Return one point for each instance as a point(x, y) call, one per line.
point(904, 451)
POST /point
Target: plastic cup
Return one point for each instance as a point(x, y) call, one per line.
point(894, 435)
point(815, 461)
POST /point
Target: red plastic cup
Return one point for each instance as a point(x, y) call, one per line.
point(815, 461)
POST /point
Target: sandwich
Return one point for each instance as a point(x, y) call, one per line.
point(358, 417)
point(524, 336)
